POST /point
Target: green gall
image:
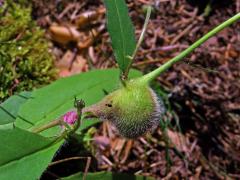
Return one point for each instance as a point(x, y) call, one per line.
point(133, 109)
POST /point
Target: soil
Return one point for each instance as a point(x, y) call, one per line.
point(202, 140)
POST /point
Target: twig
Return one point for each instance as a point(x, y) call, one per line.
point(65, 160)
point(127, 150)
point(86, 168)
point(182, 33)
point(220, 174)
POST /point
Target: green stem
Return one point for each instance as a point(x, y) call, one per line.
point(47, 126)
point(125, 75)
point(152, 75)
point(149, 9)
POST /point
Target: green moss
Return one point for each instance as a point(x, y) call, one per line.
point(25, 60)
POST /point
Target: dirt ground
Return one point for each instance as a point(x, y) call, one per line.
point(202, 92)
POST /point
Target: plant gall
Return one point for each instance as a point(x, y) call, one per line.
point(133, 109)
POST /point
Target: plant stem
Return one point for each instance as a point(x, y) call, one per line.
point(47, 126)
point(149, 9)
point(125, 75)
point(152, 75)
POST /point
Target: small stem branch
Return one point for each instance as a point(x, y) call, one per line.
point(79, 104)
point(47, 126)
point(65, 160)
point(152, 75)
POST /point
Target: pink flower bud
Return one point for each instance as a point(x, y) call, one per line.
point(70, 117)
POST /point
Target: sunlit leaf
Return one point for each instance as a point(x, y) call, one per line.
point(52, 101)
point(24, 155)
point(9, 108)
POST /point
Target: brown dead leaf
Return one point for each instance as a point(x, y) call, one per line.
point(102, 141)
point(178, 140)
point(89, 16)
point(71, 64)
point(88, 41)
point(79, 65)
point(65, 61)
point(64, 34)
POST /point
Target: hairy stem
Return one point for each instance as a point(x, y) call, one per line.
point(47, 126)
point(152, 75)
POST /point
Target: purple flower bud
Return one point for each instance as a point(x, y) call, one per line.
point(70, 117)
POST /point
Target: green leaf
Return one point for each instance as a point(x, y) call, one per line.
point(30, 167)
point(24, 155)
point(16, 143)
point(9, 108)
point(52, 101)
point(107, 176)
point(121, 32)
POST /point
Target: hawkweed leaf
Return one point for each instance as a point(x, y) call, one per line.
point(24, 155)
point(9, 108)
point(121, 31)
